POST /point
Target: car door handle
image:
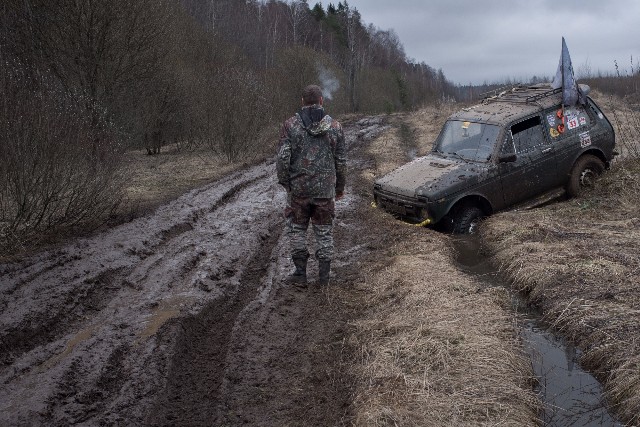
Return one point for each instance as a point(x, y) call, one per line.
point(546, 150)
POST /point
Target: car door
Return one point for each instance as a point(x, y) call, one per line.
point(534, 169)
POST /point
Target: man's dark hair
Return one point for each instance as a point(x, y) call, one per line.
point(311, 95)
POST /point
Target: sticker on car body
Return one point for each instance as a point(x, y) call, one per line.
point(551, 119)
point(585, 139)
point(573, 123)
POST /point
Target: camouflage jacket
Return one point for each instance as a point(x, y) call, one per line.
point(312, 158)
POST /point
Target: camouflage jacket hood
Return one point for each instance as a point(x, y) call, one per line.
point(314, 120)
point(312, 155)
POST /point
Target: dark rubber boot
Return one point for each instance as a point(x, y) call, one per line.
point(324, 268)
point(299, 277)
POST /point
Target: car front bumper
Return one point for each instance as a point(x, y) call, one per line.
point(408, 208)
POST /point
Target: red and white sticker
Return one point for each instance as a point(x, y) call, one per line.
point(573, 123)
point(585, 139)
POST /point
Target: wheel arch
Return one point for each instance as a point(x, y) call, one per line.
point(594, 151)
point(475, 199)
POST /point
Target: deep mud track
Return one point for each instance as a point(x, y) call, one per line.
point(181, 318)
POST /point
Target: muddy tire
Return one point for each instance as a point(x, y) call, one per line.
point(584, 174)
point(466, 218)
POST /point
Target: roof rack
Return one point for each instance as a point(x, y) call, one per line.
point(523, 94)
point(544, 94)
point(498, 91)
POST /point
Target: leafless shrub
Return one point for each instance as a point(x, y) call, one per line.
point(240, 116)
point(56, 170)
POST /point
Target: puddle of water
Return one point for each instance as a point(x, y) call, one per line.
point(81, 336)
point(158, 318)
point(571, 396)
point(166, 310)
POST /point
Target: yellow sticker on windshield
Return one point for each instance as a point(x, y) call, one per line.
point(465, 125)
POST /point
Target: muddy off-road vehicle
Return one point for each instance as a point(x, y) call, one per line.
point(510, 149)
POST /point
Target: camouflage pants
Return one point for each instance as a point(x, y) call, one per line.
point(321, 213)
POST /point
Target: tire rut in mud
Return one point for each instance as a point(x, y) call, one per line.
point(78, 299)
point(74, 403)
point(201, 343)
point(79, 323)
point(88, 297)
point(227, 196)
point(247, 348)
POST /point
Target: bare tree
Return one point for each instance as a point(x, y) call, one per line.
point(298, 16)
point(98, 49)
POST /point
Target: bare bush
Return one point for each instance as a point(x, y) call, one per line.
point(239, 114)
point(56, 170)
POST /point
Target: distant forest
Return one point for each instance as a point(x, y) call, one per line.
point(206, 71)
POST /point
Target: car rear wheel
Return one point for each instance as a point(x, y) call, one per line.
point(466, 218)
point(584, 174)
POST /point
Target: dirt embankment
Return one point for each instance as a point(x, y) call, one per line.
point(579, 260)
point(182, 317)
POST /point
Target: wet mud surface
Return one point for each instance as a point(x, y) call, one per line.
point(183, 317)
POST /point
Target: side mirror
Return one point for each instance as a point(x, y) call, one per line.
point(507, 158)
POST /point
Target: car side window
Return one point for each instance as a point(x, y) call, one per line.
point(527, 134)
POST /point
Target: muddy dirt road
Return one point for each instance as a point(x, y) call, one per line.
point(182, 317)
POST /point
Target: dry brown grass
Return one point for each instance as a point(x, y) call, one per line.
point(438, 350)
point(153, 180)
point(390, 149)
point(625, 121)
point(580, 260)
point(435, 348)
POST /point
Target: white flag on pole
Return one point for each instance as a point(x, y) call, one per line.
point(565, 79)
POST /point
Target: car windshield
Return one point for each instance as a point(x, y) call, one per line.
point(467, 140)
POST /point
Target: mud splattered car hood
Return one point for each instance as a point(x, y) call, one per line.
point(431, 176)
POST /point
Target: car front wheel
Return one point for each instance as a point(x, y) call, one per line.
point(466, 218)
point(584, 174)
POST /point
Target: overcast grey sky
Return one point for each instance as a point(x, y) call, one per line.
point(474, 41)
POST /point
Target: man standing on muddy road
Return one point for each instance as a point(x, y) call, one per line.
point(311, 167)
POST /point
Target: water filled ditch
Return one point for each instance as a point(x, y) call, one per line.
point(571, 396)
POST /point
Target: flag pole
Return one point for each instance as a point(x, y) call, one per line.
point(562, 87)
